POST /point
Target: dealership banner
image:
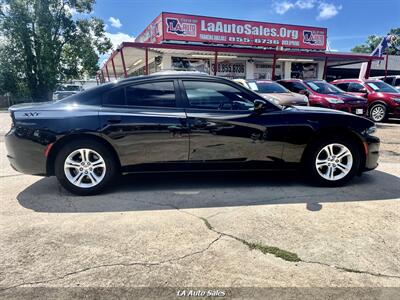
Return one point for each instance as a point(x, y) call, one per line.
point(199, 29)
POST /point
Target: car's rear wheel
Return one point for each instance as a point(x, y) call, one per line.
point(333, 162)
point(85, 167)
point(378, 112)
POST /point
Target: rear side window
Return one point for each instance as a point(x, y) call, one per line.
point(151, 94)
point(115, 97)
point(161, 94)
point(215, 95)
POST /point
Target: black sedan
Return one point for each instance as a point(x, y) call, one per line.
point(183, 122)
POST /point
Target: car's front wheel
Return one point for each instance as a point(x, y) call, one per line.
point(333, 162)
point(378, 112)
point(85, 167)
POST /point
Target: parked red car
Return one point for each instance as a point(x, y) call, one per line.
point(383, 99)
point(322, 94)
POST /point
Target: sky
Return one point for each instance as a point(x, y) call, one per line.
point(349, 22)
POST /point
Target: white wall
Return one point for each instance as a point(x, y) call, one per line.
point(320, 72)
point(166, 63)
point(288, 69)
point(250, 69)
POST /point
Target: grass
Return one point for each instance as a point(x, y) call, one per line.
point(285, 255)
point(351, 270)
point(207, 223)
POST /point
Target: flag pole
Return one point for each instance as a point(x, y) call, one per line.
point(386, 63)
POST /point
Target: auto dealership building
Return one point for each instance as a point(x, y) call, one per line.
point(228, 48)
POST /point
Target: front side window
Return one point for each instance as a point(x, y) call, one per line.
point(397, 82)
point(343, 86)
point(214, 95)
point(160, 94)
point(355, 87)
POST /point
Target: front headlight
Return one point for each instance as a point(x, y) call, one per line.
point(334, 101)
point(397, 100)
point(371, 130)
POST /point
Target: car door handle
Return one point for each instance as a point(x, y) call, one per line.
point(114, 120)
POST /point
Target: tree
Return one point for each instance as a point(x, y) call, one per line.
point(373, 41)
point(44, 42)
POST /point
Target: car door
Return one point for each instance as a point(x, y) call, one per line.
point(223, 126)
point(145, 124)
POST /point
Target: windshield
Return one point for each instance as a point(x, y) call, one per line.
point(265, 87)
point(69, 88)
point(324, 87)
point(380, 86)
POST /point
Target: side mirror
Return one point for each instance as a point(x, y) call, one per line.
point(259, 105)
point(304, 92)
point(364, 91)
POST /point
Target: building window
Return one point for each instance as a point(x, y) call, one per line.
point(304, 70)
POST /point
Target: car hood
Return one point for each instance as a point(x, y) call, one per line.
point(391, 95)
point(315, 109)
point(285, 98)
point(330, 117)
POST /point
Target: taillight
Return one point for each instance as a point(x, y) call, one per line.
point(47, 149)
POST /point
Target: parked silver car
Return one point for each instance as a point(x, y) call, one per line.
point(274, 92)
point(66, 90)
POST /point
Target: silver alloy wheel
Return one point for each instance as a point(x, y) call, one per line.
point(84, 168)
point(334, 162)
point(378, 113)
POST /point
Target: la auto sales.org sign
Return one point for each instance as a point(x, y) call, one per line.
point(237, 32)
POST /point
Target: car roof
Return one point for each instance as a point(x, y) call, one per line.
point(380, 77)
point(356, 80)
point(291, 79)
point(301, 80)
point(171, 75)
point(261, 80)
point(148, 78)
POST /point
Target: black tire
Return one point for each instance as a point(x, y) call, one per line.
point(316, 149)
point(110, 170)
point(378, 112)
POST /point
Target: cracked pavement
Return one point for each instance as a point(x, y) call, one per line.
point(150, 230)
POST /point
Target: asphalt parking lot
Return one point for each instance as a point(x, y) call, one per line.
point(203, 230)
